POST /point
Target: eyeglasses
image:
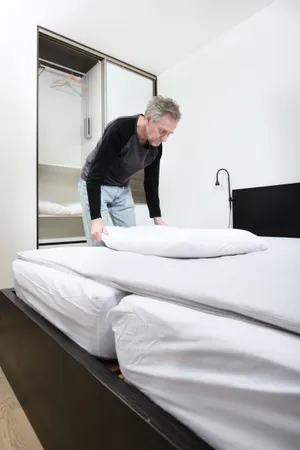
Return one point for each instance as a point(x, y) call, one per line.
point(163, 132)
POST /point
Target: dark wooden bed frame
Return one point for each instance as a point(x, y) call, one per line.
point(76, 401)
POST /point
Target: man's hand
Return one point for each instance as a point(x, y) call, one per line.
point(159, 221)
point(98, 228)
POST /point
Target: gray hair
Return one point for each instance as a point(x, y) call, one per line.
point(160, 106)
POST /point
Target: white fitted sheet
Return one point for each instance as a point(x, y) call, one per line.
point(235, 383)
point(263, 286)
point(75, 305)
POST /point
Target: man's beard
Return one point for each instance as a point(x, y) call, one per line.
point(154, 142)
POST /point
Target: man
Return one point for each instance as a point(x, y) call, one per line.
point(128, 145)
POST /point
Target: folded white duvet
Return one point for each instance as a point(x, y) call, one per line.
point(263, 286)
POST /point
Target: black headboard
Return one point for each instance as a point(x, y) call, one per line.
point(268, 211)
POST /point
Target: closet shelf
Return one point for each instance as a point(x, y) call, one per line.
point(62, 216)
point(64, 240)
point(60, 169)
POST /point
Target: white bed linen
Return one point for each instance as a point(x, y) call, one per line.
point(175, 242)
point(235, 384)
point(75, 305)
point(263, 286)
point(57, 209)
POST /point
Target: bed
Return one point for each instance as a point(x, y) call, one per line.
point(143, 418)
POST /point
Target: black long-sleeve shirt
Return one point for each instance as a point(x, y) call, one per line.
point(116, 158)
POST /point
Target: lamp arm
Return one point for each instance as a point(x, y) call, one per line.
point(230, 199)
point(229, 193)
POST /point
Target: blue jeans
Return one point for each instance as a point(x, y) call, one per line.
point(117, 208)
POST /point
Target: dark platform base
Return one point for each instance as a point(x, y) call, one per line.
point(72, 400)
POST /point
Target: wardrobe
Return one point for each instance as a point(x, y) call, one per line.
point(80, 90)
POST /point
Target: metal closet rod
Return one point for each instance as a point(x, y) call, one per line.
point(62, 67)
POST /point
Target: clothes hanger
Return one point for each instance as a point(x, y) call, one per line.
point(73, 78)
point(66, 83)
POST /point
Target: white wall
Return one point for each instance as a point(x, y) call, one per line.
point(240, 99)
point(17, 135)
point(60, 122)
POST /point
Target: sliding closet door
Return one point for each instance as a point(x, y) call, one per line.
point(127, 94)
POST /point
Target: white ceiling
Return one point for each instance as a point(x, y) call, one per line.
point(153, 35)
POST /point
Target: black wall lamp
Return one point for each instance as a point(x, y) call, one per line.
point(217, 183)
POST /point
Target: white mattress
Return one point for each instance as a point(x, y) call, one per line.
point(75, 305)
point(263, 286)
point(235, 383)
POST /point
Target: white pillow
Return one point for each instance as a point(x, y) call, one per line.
point(176, 242)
